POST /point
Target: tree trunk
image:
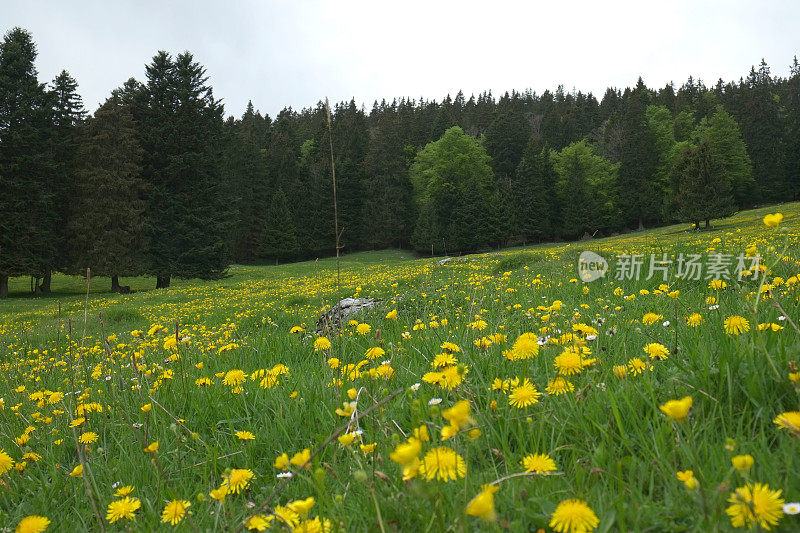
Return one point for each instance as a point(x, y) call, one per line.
point(37, 290)
point(641, 224)
point(708, 223)
point(3, 286)
point(115, 284)
point(162, 282)
point(45, 286)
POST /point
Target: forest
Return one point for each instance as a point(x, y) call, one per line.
point(158, 181)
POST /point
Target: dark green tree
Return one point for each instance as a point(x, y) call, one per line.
point(27, 202)
point(387, 212)
point(68, 120)
point(639, 163)
point(587, 191)
point(106, 228)
point(455, 194)
point(730, 154)
point(279, 240)
point(703, 189)
point(536, 208)
point(188, 211)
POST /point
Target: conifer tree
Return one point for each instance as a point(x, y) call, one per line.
point(759, 116)
point(106, 226)
point(639, 162)
point(27, 243)
point(188, 209)
point(534, 192)
point(68, 120)
point(279, 240)
point(387, 213)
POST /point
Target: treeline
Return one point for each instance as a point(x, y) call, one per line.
point(157, 182)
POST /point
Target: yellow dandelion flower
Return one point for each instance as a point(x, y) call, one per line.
point(755, 505)
point(789, 420)
point(406, 452)
point(773, 220)
point(259, 522)
point(742, 463)
point(88, 438)
point(688, 479)
point(736, 325)
point(539, 463)
point(32, 524)
point(174, 511)
point(443, 463)
point(677, 409)
point(301, 458)
point(482, 505)
point(569, 362)
point(656, 350)
point(322, 344)
point(125, 508)
point(573, 516)
point(282, 462)
point(524, 395)
point(238, 479)
point(245, 435)
point(559, 386)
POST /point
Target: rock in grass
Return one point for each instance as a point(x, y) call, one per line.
point(333, 318)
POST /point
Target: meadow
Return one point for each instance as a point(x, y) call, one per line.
point(493, 392)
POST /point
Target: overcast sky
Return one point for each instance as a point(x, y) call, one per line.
point(294, 53)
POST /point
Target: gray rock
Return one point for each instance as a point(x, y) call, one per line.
point(342, 312)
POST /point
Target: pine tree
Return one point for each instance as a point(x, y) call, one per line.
point(106, 225)
point(703, 189)
point(639, 162)
point(68, 120)
point(27, 203)
point(792, 102)
point(387, 212)
point(279, 241)
point(759, 116)
point(534, 193)
point(188, 212)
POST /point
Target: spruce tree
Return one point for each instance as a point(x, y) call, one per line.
point(27, 202)
point(106, 226)
point(387, 212)
point(759, 115)
point(188, 211)
point(279, 240)
point(639, 162)
point(68, 120)
point(587, 191)
point(534, 194)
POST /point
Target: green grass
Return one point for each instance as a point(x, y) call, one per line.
point(612, 445)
